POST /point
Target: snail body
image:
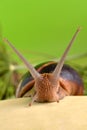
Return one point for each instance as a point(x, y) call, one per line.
point(69, 80)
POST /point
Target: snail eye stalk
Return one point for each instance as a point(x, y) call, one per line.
point(32, 70)
point(61, 62)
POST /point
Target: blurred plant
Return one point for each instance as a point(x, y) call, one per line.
point(9, 76)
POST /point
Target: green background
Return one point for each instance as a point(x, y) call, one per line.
point(44, 26)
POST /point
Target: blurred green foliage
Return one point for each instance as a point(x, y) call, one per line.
point(8, 81)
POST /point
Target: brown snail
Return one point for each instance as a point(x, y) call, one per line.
point(52, 81)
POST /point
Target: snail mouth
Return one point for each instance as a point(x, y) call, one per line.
point(46, 101)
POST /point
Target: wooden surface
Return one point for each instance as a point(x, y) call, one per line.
point(69, 114)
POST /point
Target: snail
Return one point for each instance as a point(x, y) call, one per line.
point(51, 80)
